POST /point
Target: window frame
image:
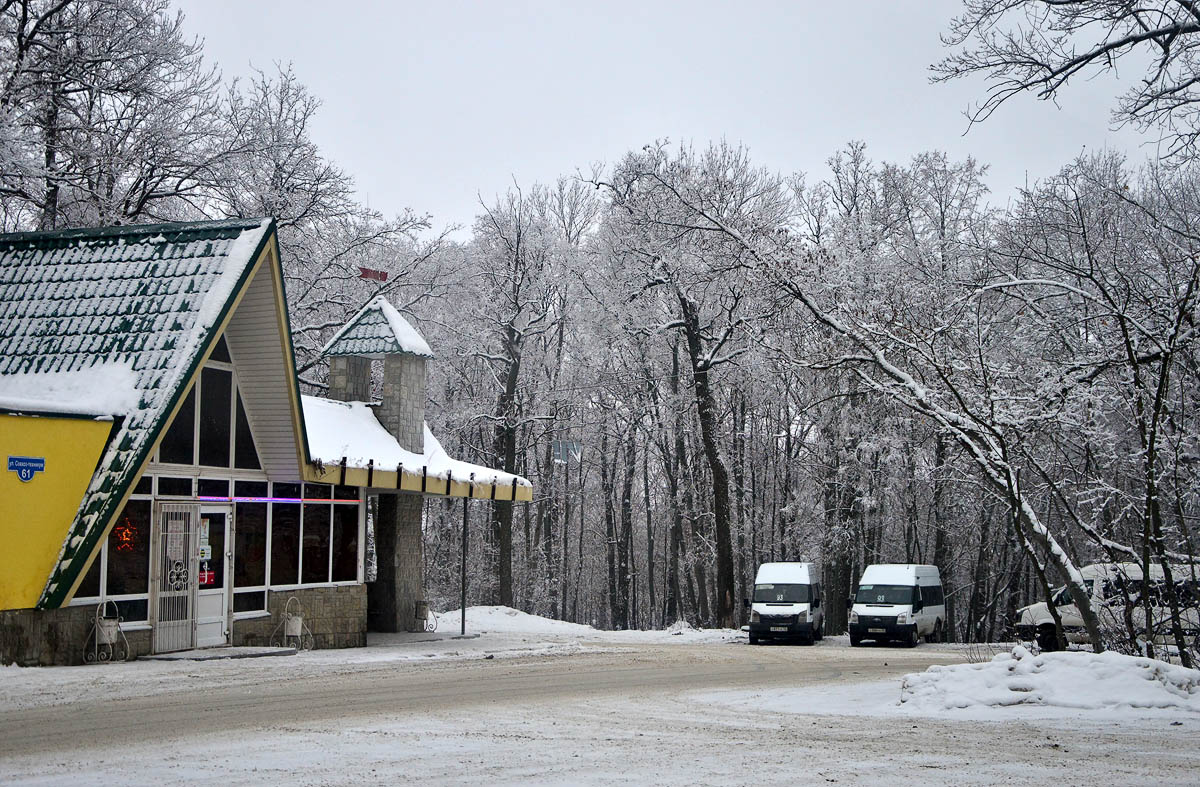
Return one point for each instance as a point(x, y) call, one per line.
point(104, 597)
point(174, 468)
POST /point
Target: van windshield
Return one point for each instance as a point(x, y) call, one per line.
point(780, 594)
point(884, 594)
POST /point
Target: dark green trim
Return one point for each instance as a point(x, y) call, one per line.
point(49, 237)
point(65, 578)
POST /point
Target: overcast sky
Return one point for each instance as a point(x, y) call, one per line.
point(432, 105)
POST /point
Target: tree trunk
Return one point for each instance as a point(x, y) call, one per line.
point(505, 446)
point(625, 572)
point(652, 606)
point(610, 532)
point(50, 142)
point(706, 412)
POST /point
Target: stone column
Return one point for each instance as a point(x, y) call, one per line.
point(399, 544)
point(349, 378)
point(399, 583)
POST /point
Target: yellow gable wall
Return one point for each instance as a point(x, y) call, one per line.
point(35, 515)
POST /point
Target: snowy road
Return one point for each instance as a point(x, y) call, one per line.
point(559, 707)
point(257, 699)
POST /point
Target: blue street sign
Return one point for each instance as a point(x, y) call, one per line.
point(26, 466)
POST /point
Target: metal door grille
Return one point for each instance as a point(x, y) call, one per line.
point(175, 577)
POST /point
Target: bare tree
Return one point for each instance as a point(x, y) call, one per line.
point(705, 285)
point(1038, 46)
point(109, 111)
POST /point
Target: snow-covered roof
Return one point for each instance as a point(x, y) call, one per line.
point(350, 430)
point(114, 322)
point(103, 390)
point(377, 330)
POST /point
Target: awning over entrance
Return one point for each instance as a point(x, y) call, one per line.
point(348, 445)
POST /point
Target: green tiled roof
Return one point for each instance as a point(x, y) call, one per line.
point(146, 298)
point(377, 329)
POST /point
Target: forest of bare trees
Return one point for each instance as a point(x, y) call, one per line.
point(867, 363)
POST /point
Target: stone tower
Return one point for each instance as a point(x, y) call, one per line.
point(377, 332)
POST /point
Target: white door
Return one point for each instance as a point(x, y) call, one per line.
point(173, 566)
point(212, 576)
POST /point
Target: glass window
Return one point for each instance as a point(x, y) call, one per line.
point(177, 487)
point(250, 488)
point(315, 566)
point(132, 611)
point(90, 586)
point(781, 594)
point(216, 387)
point(252, 601)
point(289, 490)
point(221, 351)
point(144, 485)
point(244, 455)
point(345, 544)
point(884, 594)
point(179, 443)
point(214, 524)
point(345, 492)
point(250, 552)
point(129, 550)
point(318, 492)
point(285, 543)
point(212, 487)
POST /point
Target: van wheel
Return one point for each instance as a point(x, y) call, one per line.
point(1046, 639)
point(855, 640)
point(913, 638)
point(818, 634)
point(753, 640)
point(936, 634)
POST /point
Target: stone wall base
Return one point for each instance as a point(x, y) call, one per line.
point(336, 616)
point(54, 637)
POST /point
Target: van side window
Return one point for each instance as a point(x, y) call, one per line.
point(933, 595)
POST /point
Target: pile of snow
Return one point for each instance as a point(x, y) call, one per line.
point(507, 620)
point(1077, 680)
point(679, 627)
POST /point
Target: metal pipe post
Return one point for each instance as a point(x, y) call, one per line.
point(463, 576)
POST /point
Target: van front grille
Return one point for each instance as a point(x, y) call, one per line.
point(877, 620)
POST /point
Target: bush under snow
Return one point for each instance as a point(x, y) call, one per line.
point(1107, 681)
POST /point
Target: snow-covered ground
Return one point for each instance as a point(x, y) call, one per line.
point(1016, 686)
point(819, 715)
point(505, 620)
point(493, 633)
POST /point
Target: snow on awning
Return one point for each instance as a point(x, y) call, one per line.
point(349, 430)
